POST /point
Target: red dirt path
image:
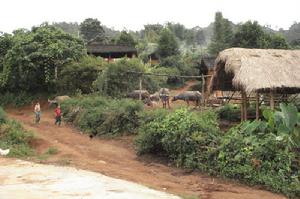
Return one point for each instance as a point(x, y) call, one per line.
point(117, 158)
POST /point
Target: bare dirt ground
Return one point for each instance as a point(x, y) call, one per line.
point(117, 158)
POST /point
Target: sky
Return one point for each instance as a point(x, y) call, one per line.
point(134, 14)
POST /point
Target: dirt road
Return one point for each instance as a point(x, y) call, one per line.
point(117, 158)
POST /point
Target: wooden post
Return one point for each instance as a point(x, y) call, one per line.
point(272, 102)
point(244, 105)
point(257, 105)
point(203, 90)
point(140, 94)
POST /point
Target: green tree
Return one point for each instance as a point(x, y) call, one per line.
point(5, 45)
point(91, 29)
point(80, 75)
point(115, 80)
point(252, 35)
point(277, 41)
point(36, 57)
point(167, 44)
point(71, 28)
point(151, 32)
point(178, 29)
point(125, 38)
point(222, 34)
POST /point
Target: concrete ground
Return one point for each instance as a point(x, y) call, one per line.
point(21, 180)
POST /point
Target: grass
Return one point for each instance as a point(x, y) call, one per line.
point(52, 151)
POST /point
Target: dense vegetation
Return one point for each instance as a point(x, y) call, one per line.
point(98, 115)
point(14, 137)
point(258, 152)
point(31, 60)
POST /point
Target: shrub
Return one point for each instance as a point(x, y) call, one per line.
point(98, 115)
point(188, 138)
point(14, 137)
point(2, 116)
point(115, 81)
point(16, 99)
point(253, 154)
point(80, 75)
point(264, 152)
point(230, 112)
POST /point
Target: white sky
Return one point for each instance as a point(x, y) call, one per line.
point(133, 14)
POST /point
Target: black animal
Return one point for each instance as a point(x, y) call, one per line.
point(188, 96)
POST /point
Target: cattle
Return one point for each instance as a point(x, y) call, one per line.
point(58, 100)
point(188, 96)
point(154, 97)
point(136, 94)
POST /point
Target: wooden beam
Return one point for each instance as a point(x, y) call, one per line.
point(257, 106)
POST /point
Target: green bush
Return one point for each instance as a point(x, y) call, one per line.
point(98, 115)
point(264, 152)
point(80, 75)
point(253, 154)
point(14, 137)
point(2, 116)
point(115, 81)
point(230, 112)
point(16, 99)
point(188, 138)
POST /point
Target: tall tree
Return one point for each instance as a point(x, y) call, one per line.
point(222, 34)
point(125, 38)
point(249, 35)
point(178, 29)
point(252, 35)
point(167, 44)
point(5, 45)
point(91, 29)
point(36, 56)
point(71, 28)
point(151, 32)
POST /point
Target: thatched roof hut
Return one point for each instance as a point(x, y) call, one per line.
point(259, 70)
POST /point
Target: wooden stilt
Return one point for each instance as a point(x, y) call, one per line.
point(257, 105)
point(203, 91)
point(272, 102)
point(242, 107)
point(245, 106)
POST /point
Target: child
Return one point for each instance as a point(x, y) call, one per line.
point(57, 115)
point(37, 111)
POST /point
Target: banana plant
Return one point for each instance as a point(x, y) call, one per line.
point(285, 122)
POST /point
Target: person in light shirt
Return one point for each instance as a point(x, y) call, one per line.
point(37, 111)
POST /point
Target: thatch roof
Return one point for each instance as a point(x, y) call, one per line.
point(257, 70)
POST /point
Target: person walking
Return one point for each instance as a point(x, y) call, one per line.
point(37, 111)
point(57, 115)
